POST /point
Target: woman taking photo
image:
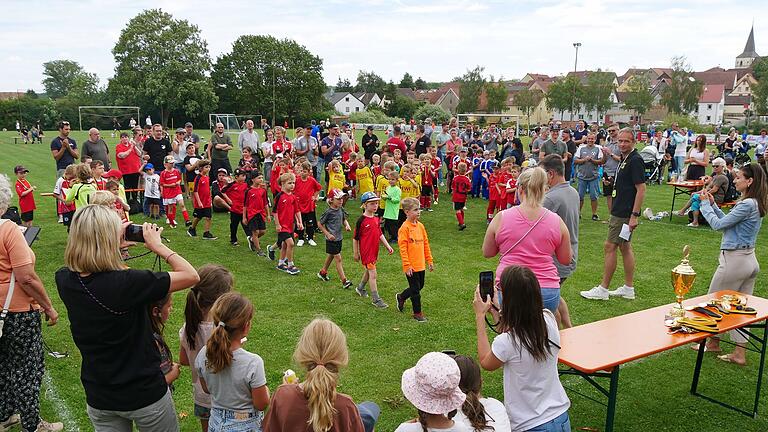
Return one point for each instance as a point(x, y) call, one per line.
point(21, 345)
point(529, 235)
point(107, 305)
point(527, 348)
point(698, 159)
point(738, 267)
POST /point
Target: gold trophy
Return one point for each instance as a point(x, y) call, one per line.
point(683, 277)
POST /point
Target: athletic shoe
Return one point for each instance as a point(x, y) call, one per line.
point(208, 236)
point(347, 284)
point(270, 252)
point(173, 224)
point(419, 317)
point(44, 426)
point(323, 276)
point(462, 227)
point(61, 219)
point(623, 291)
point(300, 243)
point(361, 292)
point(167, 221)
point(11, 421)
point(380, 304)
point(234, 243)
point(400, 303)
point(595, 218)
point(282, 267)
point(251, 246)
point(293, 270)
point(311, 242)
point(261, 253)
point(429, 209)
point(191, 232)
point(596, 293)
point(188, 223)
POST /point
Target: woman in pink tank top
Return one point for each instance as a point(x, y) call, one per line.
point(530, 235)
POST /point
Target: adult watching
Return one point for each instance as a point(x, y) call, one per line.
point(306, 145)
point(328, 146)
point(611, 158)
point(527, 348)
point(64, 149)
point(156, 146)
point(22, 360)
point(738, 267)
point(698, 159)
point(370, 143)
point(128, 158)
point(588, 159)
point(107, 306)
point(191, 136)
point(218, 150)
point(248, 137)
point(95, 148)
point(529, 235)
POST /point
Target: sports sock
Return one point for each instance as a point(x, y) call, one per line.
point(375, 296)
point(361, 286)
point(186, 215)
point(460, 216)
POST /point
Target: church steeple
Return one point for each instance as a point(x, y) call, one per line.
point(749, 55)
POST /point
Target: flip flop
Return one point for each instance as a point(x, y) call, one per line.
point(695, 347)
point(727, 358)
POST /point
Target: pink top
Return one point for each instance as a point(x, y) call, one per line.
point(536, 249)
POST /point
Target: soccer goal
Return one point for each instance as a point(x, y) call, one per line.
point(106, 117)
point(230, 122)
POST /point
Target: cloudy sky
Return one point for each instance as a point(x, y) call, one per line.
point(436, 40)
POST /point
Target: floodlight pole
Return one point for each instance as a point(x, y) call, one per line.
point(575, 63)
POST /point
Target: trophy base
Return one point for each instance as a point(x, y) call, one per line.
point(675, 312)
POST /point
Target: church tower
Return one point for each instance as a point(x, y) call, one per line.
point(745, 59)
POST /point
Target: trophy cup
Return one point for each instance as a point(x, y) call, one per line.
point(682, 281)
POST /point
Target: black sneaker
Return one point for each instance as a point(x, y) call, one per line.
point(595, 218)
point(462, 227)
point(347, 284)
point(251, 246)
point(191, 232)
point(400, 303)
point(323, 276)
point(270, 252)
point(234, 243)
point(208, 236)
point(188, 223)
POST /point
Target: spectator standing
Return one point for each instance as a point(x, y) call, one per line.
point(248, 137)
point(306, 145)
point(64, 149)
point(698, 159)
point(156, 147)
point(396, 142)
point(612, 156)
point(536, 144)
point(588, 158)
point(218, 150)
point(191, 136)
point(491, 138)
point(370, 143)
point(328, 146)
point(95, 148)
point(422, 143)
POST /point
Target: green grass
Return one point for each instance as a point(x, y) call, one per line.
point(653, 393)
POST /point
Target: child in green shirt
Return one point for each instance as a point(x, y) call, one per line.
point(391, 199)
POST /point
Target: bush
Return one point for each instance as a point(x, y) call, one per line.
point(434, 112)
point(684, 121)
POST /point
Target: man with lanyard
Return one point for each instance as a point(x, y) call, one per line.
point(306, 145)
point(370, 143)
point(218, 150)
point(330, 145)
point(611, 158)
point(95, 148)
point(249, 138)
point(156, 147)
point(64, 149)
point(628, 194)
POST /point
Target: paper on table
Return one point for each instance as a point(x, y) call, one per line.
point(625, 233)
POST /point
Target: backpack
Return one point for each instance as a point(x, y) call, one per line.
point(12, 214)
point(134, 206)
point(731, 194)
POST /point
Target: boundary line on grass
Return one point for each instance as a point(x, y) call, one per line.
point(52, 393)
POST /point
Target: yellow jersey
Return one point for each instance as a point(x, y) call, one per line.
point(410, 188)
point(336, 180)
point(381, 185)
point(364, 179)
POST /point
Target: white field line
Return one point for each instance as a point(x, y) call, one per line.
point(62, 410)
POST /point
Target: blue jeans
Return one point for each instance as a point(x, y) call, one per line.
point(551, 298)
point(223, 420)
point(441, 157)
point(593, 186)
point(561, 423)
point(680, 163)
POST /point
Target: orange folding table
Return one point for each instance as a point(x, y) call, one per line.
point(684, 188)
point(597, 350)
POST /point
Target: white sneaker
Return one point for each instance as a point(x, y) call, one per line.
point(44, 426)
point(596, 293)
point(9, 422)
point(648, 213)
point(623, 291)
point(300, 243)
point(312, 242)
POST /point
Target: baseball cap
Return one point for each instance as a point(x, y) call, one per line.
point(19, 168)
point(368, 196)
point(462, 149)
point(180, 131)
point(113, 173)
point(336, 154)
point(336, 194)
point(222, 170)
point(187, 124)
point(148, 166)
point(239, 171)
point(168, 159)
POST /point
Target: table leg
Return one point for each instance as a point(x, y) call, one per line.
point(697, 369)
point(760, 369)
point(612, 392)
point(674, 195)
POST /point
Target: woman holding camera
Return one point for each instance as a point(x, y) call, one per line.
point(107, 304)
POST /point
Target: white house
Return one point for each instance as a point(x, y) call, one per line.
point(346, 103)
point(711, 105)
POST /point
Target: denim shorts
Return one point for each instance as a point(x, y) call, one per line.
point(551, 298)
point(593, 186)
point(561, 423)
point(234, 421)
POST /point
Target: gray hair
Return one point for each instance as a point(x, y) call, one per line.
point(628, 130)
point(543, 130)
point(5, 193)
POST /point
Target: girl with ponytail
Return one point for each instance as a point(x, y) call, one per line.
point(215, 280)
point(314, 405)
point(478, 413)
point(233, 377)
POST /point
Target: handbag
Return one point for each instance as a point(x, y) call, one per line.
point(8, 297)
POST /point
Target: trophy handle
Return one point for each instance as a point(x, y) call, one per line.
point(686, 252)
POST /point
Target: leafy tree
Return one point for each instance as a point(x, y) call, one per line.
point(760, 91)
point(597, 93)
point(472, 83)
point(435, 112)
point(62, 75)
point(420, 84)
point(162, 63)
point(527, 100)
point(369, 82)
point(276, 78)
point(403, 107)
point(683, 92)
point(496, 96)
point(565, 94)
point(639, 98)
point(390, 91)
point(407, 81)
point(343, 86)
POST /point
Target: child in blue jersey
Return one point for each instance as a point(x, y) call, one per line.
point(486, 169)
point(477, 174)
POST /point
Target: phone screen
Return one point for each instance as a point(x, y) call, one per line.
point(486, 285)
point(134, 233)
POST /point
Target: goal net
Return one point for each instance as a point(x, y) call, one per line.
point(107, 117)
point(230, 122)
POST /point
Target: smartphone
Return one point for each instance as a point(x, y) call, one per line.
point(134, 233)
point(486, 285)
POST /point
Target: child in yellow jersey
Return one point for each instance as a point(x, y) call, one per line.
point(336, 179)
point(364, 176)
point(382, 184)
point(409, 187)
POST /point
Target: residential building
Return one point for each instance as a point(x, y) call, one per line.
point(711, 105)
point(346, 103)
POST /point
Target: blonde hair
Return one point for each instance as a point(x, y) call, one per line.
point(390, 165)
point(286, 177)
point(230, 314)
point(322, 351)
point(102, 197)
point(70, 169)
point(93, 245)
point(83, 173)
point(532, 182)
point(410, 204)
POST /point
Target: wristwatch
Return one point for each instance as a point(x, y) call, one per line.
point(636, 214)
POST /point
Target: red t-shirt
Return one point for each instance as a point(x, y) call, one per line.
point(274, 184)
point(502, 177)
point(511, 183)
point(427, 176)
point(26, 202)
point(279, 147)
point(368, 234)
point(396, 143)
point(286, 207)
point(236, 192)
point(493, 180)
point(304, 191)
point(436, 164)
point(64, 207)
point(169, 186)
point(131, 164)
point(255, 202)
point(101, 184)
point(461, 187)
point(376, 171)
point(203, 190)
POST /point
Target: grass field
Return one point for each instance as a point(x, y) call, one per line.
point(653, 393)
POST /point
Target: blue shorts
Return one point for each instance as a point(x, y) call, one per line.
point(234, 421)
point(592, 185)
point(557, 424)
point(551, 298)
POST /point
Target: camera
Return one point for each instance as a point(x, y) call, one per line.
point(134, 233)
point(486, 285)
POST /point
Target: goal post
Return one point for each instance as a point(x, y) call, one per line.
point(230, 122)
point(107, 117)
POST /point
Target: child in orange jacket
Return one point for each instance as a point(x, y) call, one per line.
point(416, 257)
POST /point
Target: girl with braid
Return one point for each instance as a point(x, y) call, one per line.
point(480, 414)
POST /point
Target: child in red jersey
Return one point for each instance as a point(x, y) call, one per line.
point(427, 182)
point(256, 212)
point(236, 193)
point(376, 165)
point(97, 169)
point(287, 217)
point(495, 182)
point(365, 246)
point(511, 189)
point(202, 200)
point(461, 186)
point(64, 209)
point(307, 190)
point(25, 191)
point(170, 186)
point(436, 165)
point(274, 180)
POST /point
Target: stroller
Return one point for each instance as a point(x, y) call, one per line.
point(653, 161)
